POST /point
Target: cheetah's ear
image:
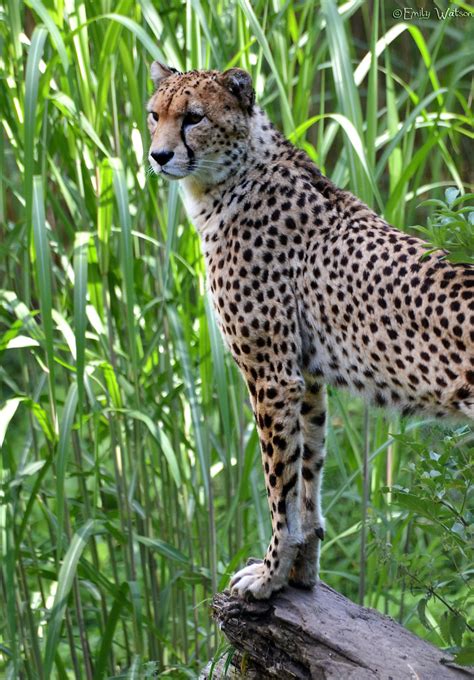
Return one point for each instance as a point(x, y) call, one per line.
point(239, 82)
point(159, 72)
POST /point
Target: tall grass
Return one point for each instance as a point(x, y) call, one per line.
point(131, 483)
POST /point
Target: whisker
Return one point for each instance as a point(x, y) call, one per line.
point(210, 164)
point(211, 160)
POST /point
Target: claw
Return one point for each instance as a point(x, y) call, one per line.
point(254, 582)
point(253, 560)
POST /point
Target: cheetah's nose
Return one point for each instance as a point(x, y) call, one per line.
point(162, 157)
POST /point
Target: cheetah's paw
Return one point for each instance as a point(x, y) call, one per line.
point(255, 581)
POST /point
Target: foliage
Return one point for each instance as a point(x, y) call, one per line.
point(130, 480)
point(439, 503)
point(452, 225)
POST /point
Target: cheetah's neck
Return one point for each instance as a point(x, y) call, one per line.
point(264, 146)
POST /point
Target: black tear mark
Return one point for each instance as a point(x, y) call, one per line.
point(190, 152)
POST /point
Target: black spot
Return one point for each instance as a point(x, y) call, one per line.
point(279, 467)
point(319, 420)
point(280, 442)
point(289, 485)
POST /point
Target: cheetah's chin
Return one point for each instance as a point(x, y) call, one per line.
point(172, 176)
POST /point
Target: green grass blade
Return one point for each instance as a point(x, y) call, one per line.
point(65, 580)
point(419, 157)
point(402, 131)
point(41, 256)
point(199, 430)
point(167, 450)
point(152, 49)
point(100, 664)
point(218, 354)
point(372, 94)
point(67, 420)
point(165, 549)
point(353, 142)
point(56, 36)
point(263, 42)
point(168, 49)
point(7, 411)
point(30, 112)
point(121, 193)
point(347, 93)
point(106, 64)
point(9, 557)
point(81, 244)
point(162, 440)
point(105, 214)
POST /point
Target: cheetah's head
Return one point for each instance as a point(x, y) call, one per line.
point(199, 122)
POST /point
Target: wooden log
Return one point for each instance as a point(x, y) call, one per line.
point(323, 635)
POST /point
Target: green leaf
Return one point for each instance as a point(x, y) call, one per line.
point(163, 441)
point(66, 576)
point(152, 49)
point(196, 414)
point(112, 384)
point(421, 609)
point(27, 471)
point(56, 37)
point(43, 266)
point(347, 93)
point(30, 111)
point(105, 214)
point(444, 627)
point(121, 194)
point(67, 420)
point(466, 656)
point(263, 42)
point(413, 503)
point(457, 626)
point(113, 617)
point(42, 419)
point(80, 321)
point(7, 411)
point(164, 549)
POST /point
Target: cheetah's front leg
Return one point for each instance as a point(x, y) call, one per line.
point(277, 407)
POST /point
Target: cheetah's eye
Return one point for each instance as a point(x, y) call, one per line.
point(192, 118)
point(154, 115)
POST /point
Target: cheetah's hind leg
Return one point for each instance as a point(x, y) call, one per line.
point(304, 572)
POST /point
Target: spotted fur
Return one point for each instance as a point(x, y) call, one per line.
point(310, 287)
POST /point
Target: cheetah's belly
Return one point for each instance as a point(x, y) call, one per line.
point(342, 351)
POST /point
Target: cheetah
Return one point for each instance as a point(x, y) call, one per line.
point(310, 287)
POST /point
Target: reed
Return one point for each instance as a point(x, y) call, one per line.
point(130, 471)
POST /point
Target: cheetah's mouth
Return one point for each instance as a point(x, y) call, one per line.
point(172, 175)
